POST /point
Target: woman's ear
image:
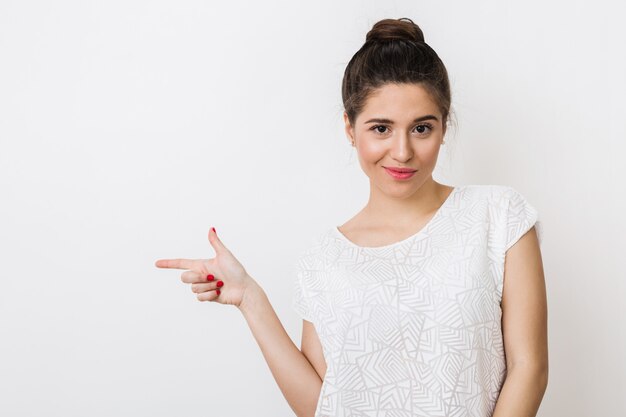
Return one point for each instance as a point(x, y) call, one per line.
point(348, 128)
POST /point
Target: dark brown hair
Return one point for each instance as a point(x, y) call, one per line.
point(394, 52)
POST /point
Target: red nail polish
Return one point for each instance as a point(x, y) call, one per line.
point(218, 292)
point(220, 283)
point(213, 228)
point(210, 277)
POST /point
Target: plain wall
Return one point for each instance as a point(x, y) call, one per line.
point(129, 128)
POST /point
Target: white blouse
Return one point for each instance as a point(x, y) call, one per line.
point(413, 328)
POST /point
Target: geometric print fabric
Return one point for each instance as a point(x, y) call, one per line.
point(413, 328)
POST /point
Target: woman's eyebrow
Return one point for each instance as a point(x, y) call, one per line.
point(388, 121)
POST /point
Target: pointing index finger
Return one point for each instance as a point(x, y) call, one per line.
point(175, 263)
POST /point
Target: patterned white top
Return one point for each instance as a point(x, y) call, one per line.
point(413, 328)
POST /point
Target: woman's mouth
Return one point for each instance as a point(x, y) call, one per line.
point(398, 174)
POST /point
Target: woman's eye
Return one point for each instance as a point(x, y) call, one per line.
point(424, 126)
point(378, 127)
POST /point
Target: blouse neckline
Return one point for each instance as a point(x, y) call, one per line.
point(433, 219)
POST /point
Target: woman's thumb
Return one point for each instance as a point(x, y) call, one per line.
point(215, 241)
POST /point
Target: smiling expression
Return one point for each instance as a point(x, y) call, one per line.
point(400, 127)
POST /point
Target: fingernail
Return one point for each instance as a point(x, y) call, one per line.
point(218, 292)
point(210, 277)
point(213, 228)
point(220, 283)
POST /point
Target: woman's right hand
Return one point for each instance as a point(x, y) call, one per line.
point(224, 267)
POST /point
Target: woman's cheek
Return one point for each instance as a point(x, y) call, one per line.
point(369, 154)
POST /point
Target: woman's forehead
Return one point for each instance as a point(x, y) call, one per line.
point(401, 102)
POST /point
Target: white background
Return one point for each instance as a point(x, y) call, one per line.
point(129, 128)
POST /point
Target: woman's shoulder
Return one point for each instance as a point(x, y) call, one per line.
point(485, 189)
point(315, 245)
point(509, 209)
point(493, 194)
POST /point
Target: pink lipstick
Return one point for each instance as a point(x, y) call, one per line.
point(400, 173)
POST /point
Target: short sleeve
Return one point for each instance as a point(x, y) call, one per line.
point(301, 303)
point(521, 216)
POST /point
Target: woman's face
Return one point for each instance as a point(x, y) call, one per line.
point(399, 127)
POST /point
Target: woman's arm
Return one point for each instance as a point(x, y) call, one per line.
point(296, 377)
point(525, 330)
point(223, 279)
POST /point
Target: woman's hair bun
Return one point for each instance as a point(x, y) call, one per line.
point(395, 29)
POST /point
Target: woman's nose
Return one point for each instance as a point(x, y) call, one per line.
point(401, 149)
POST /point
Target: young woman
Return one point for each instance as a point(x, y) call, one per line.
point(406, 310)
